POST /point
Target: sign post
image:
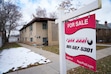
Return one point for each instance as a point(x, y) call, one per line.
point(62, 45)
point(89, 8)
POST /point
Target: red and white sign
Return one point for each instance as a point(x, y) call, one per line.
point(80, 41)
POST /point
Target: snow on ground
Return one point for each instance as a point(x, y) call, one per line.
point(19, 57)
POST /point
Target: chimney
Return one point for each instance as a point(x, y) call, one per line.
point(106, 23)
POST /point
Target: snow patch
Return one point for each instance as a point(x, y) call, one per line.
point(13, 58)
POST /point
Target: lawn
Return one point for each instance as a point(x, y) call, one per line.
point(101, 47)
point(55, 49)
point(9, 45)
point(103, 67)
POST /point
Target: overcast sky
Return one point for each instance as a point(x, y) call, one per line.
point(28, 7)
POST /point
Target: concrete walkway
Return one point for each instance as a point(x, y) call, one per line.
point(53, 67)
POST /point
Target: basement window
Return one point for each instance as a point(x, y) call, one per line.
point(44, 39)
point(31, 39)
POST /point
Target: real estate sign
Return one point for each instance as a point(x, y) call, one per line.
point(80, 41)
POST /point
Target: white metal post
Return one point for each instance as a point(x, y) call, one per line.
point(61, 43)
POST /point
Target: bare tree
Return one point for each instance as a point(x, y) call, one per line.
point(41, 12)
point(53, 15)
point(67, 5)
point(9, 17)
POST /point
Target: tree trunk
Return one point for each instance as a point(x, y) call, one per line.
point(4, 38)
point(8, 36)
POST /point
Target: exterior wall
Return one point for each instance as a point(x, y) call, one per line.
point(52, 33)
point(37, 34)
point(22, 35)
point(32, 33)
point(103, 35)
point(25, 35)
point(40, 33)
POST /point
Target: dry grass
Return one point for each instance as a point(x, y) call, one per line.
point(9, 45)
point(101, 47)
point(20, 68)
point(55, 49)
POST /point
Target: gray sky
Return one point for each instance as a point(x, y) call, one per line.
point(28, 7)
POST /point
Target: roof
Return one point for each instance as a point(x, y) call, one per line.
point(36, 19)
point(102, 26)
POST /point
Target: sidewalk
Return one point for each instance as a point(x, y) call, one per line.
point(53, 67)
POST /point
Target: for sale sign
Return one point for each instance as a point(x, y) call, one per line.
point(80, 41)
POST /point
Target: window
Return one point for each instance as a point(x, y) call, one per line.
point(44, 25)
point(30, 27)
point(31, 39)
point(45, 39)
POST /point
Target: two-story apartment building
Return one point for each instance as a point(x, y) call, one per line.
point(39, 31)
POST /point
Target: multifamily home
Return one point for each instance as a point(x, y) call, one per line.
point(103, 32)
point(40, 31)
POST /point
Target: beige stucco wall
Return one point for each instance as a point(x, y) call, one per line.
point(38, 33)
point(22, 36)
point(25, 35)
point(52, 33)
